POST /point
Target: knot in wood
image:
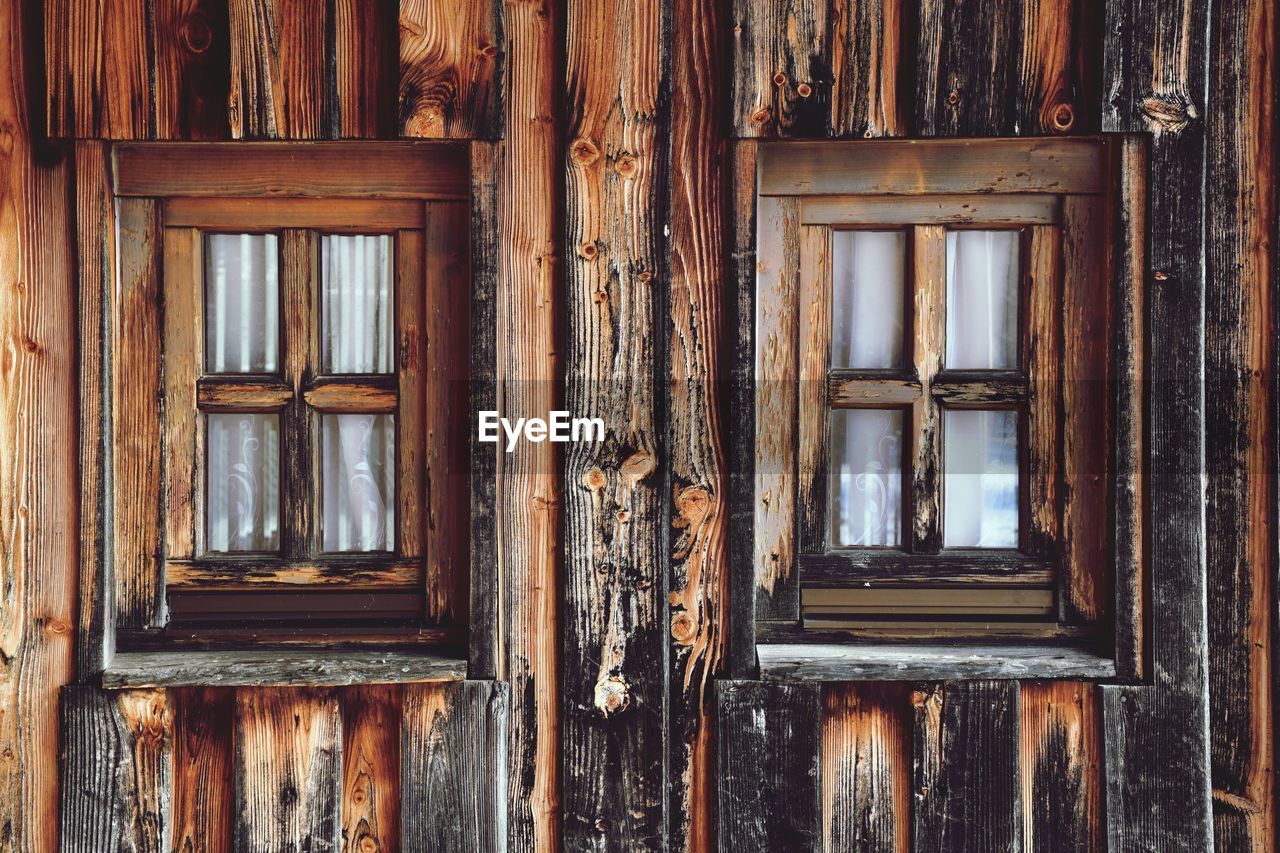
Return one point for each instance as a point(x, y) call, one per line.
point(804, 90)
point(1063, 117)
point(953, 97)
point(779, 79)
point(369, 845)
point(683, 628)
point(197, 34)
point(488, 51)
point(613, 695)
point(1168, 113)
point(626, 165)
point(588, 250)
point(583, 152)
point(694, 503)
point(594, 479)
point(636, 467)
point(761, 117)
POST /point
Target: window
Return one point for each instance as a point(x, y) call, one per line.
point(945, 366)
point(290, 355)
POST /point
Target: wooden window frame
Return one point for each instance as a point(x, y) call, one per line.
point(437, 199)
point(1079, 203)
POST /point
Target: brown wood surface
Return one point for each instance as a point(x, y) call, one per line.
point(1061, 766)
point(191, 70)
point(992, 209)
point(183, 295)
point(277, 78)
point(813, 304)
point(330, 214)
point(299, 291)
point(361, 80)
point(451, 65)
point(230, 574)
point(412, 351)
point(866, 768)
point(1044, 374)
point(371, 793)
point(203, 784)
point(929, 328)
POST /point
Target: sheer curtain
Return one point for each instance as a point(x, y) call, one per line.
point(357, 450)
point(980, 460)
point(242, 298)
point(243, 482)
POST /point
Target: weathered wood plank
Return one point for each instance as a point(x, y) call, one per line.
point(412, 352)
point(781, 79)
point(965, 767)
point(1051, 85)
point(203, 784)
point(991, 209)
point(330, 214)
point(614, 635)
point(284, 667)
point(1155, 80)
point(866, 768)
point(1045, 376)
point(1061, 766)
point(278, 74)
point(451, 68)
point(867, 661)
point(371, 793)
point(454, 782)
point(192, 69)
point(867, 71)
point(929, 320)
point(135, 418)
point(529, 359)
point(814, 360)
point(1240, 444)
point(183, 342)
point(288, 770)
point(768, 775)
point(362, 71)
point(117, 770)
point(698, 585)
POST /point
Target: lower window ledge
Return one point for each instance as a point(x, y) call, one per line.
point(827, 662)
point(277, 668)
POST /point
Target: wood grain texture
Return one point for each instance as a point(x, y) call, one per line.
point(1155, 80)
point(203, 784)
point(614, 634)
point(278, 85)
point(306, 667)
point(529, 359)
point(929, 318)
point(781, 79)
point(990, 209)
point(352, 215)
point(768, 776)
point(1044, 375)
point(1052, 88)
point(699, 513)
point(183, 342)
point(965, 767)
point(976, 657)
point(117, 771)
point(776, 403)
point(867, 68)
point(1061, 766)
point(136, 333)
point(362, 44)
point(814, 360)
point(453, 742)
point(451, 69)
point(1240, 441)
point(192, 69)
point(866, 768)
point(288, 770)
point(411, 365)
point(371, 793)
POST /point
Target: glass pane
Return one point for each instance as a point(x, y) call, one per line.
point(867, 298)
point(980, 486)
point(358, 476)
point(241, 296)
point(982, 300)
point(866, 477)
point(242, 485)
point(356, 307)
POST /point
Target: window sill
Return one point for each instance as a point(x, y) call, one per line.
point(813, 662)
point(277, 668)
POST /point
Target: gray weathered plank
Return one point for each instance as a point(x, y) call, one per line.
point(280, 667)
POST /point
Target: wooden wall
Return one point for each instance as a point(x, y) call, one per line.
point(621, 138)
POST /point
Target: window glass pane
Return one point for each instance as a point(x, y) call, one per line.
point(866, 477)
point(242, 296)
point(867, 298)
point(358, 476)
point(980, 486)
point(982, 300)
point(242, 483)
point(356, 306)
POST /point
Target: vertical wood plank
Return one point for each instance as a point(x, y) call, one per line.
point(776, 351)
point(135, 395)
point(192, 69)
point(741, 320)
point(966, 67)
point(278, 74)
point(781, 82)
point(814, 304)
point(965, 767)
point(363, 71)
point(1240, 352)
point(615, 591)
point(98, 64)
point(184, 349)
point(529, 363)
point(1086, 407)
point(117, 770)
point(448, 328)
point(769, 736)
point(203, 783)
point(867, 68)
point(1061, 766)
point(1044, 367)
point(455, 765)
point(451, 67)
point(414, 412)
point(1049, 85)
point(929, 316)
point(288, 769)
point(371, 800)
point(698, 586)
point(1155, 80)
point(300, 295)
point(95, 264)
point(866, 768)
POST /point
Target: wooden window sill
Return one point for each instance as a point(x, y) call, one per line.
point(277, 668)
point(829, 662)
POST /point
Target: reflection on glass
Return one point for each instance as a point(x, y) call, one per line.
point(358, 479)
point(241, 296)
point(356, 305)
point(242, 482)
point(982, 300)
point(866, 477)
point(867, 298)
point(980, 485)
